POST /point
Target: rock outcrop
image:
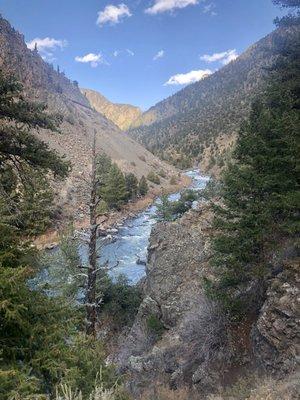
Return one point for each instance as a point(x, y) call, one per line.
point(178, 334)
point(181, 338)
point(276, 335)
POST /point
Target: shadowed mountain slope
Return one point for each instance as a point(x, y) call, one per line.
point(198, 123)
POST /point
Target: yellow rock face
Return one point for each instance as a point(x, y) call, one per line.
point(122, 115)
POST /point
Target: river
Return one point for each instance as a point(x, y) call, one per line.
point(127, 252)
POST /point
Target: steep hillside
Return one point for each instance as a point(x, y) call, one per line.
point(123, 115)
point(199, 122)
point(43, 83)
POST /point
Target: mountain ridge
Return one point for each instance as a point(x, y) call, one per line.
point(122, 115)
point(198, 124)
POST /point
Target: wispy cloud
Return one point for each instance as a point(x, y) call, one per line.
point(93, 59)
point(159, 54)
point(161, 6)
point(210, 9)
point(224, 57)
point(118, 53)
point(46, 46)
point(113, 14)
point(189, 77)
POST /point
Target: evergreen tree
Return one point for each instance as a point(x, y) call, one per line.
point(115, 192)
point(260, 188)
point(131, 185)
point(103, 166)
point(25, 161)
point(143, 186)
point(39, 338)
point(165, 209)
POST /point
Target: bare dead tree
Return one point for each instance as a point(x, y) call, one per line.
point(95, 198)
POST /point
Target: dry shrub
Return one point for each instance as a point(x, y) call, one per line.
point(99, 393)
point(262, 389)
point(164, 393)
point(270, 389)
point(207, 335)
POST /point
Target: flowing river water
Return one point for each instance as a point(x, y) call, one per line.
point(126, 253)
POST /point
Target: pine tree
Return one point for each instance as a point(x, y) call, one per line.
point(103, 166)
point(260, 188)
point(165, 209)
point(26, 161)
point(131, 185)
point(115, 192)
point(30, 322)
point(143, 186)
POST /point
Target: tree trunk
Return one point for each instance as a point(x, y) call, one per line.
point(91, 307)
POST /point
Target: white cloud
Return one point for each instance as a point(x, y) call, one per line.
point(161, 6)
point(46, 46)
point(113, 14)
point(118, 53)
point(158, 55)
point(209, 9)
point(189, 77)
point(224, 57)
point(93, 59)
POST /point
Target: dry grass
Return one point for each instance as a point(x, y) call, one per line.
point(99, 393)
point(163, 393)
point(262, 389)
point(247, 388)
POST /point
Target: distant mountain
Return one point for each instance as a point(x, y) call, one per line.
point(123, 115)
point(199, 123)
point(44, 84)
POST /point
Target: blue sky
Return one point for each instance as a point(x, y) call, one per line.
point(140, 51)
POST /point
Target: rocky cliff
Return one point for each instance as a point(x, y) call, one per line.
point(178, 333)
point(276, 335)
point(181, 338)
point(44, 84)
point(123, 115)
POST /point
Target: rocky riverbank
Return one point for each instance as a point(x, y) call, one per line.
point(115, 218)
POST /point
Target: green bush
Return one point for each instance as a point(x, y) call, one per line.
point(152, 177)
point(120, 300)
point(173, 180)
point(162, 173)
point(155, 326)
point(169, 211)
point(131, 186)
point(143, 186)
point(211, 190)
